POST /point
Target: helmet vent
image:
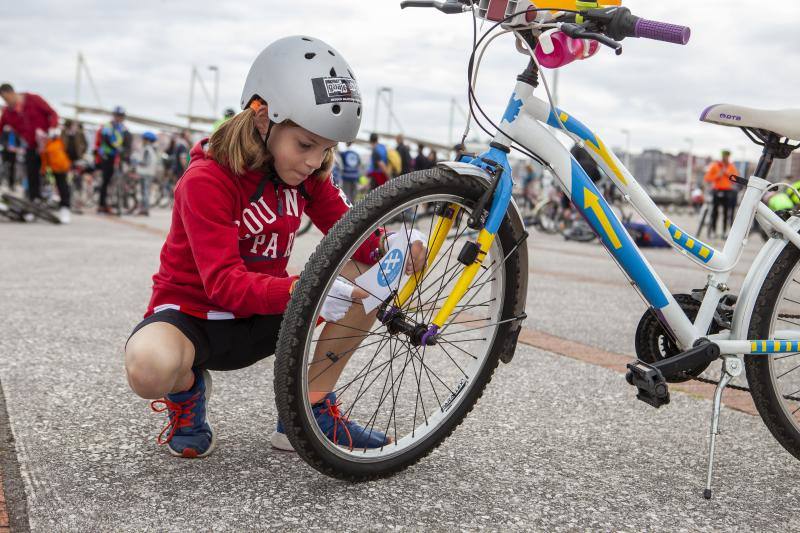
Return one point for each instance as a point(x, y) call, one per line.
point(310, 55)
point(337, 109)
point(331, 53)
point(351, 74)
point(307, 39)
point(333, 72)
point(358, 112)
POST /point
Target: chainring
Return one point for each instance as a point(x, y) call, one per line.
point(654, 344)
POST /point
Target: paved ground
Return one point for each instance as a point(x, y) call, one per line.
point(555, 444)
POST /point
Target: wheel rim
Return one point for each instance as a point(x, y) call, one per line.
point(784, 369)
point(406, 392)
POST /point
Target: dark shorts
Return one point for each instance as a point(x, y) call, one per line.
point(223, 344)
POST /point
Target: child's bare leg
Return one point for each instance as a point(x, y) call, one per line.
point(346, 335)
point(158, 360)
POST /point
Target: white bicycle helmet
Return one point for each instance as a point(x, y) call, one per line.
point(305, 80)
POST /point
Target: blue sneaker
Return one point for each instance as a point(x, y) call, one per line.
point(188, 431)
point(279, 440)
point(336, 427)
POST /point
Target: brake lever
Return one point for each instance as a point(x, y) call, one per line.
point(577, 31)
point(449, 7)
point(603, 39)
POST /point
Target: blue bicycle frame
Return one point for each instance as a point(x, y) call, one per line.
point(526, 120)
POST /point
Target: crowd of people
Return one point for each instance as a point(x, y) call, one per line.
point(355, 176)
point(59, 152)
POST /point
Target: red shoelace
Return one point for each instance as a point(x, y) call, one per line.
point(338, 418)
point(180, 416)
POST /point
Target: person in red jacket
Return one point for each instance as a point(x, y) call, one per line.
point(31, 117)
point(222, 285)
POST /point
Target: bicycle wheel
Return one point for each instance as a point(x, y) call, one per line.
point(546, 216)
point(775, 380)
point(24, 206)
point(14, 215)
point(161, 188)
point(576, 230)
point(130, 200)
point(416, 395)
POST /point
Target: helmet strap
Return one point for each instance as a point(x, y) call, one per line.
point(255, 105)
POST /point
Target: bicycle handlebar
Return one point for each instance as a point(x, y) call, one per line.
point(449, 6)
point(662, 31)
point(618, 23)
point(603, 25)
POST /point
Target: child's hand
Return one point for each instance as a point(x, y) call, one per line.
point(339, 299)
point(415, 261)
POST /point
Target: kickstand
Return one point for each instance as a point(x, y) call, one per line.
point(731, 367)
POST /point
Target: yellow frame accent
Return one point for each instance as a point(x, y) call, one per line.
point(435, 242)
point(485, 240)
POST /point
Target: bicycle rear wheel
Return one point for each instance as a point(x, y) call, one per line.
point(415, 394)
point(775, 379)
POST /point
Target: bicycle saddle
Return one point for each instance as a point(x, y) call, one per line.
point(783, 122)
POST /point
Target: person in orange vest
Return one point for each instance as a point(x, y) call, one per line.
point(54, 159)
point(724, 193)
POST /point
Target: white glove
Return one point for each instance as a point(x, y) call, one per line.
point(337, 302)
point(413, 236)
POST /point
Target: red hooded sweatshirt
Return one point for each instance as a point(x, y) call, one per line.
point(227, 248)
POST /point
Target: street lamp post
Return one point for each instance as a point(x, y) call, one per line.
point(191, 96)
point(627, 134)
point(689, 169)
point(743, 158)
point(215, 70)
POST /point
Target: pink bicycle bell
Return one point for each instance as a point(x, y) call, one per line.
point(555, 49)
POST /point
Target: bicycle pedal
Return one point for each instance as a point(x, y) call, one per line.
point(650, 384)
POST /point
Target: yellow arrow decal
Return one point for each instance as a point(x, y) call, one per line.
point(591, 201)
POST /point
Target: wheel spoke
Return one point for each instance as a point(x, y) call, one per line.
point(381, 381)
point(788, 371)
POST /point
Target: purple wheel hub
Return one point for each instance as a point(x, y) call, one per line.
point(429, 337)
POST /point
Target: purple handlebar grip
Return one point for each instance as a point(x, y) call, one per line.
point(661, 31)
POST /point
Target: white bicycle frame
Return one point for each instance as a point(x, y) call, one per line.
point(525, 121)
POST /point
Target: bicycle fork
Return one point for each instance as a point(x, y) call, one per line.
point(473, 253)
point(472, 256)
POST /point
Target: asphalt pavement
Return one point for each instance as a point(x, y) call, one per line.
point(555, 444)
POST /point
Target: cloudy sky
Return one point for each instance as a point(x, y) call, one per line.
point(141, 53)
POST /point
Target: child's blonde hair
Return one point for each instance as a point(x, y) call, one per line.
point(237, 144)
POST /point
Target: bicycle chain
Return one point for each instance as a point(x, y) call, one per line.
point(689, 377)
